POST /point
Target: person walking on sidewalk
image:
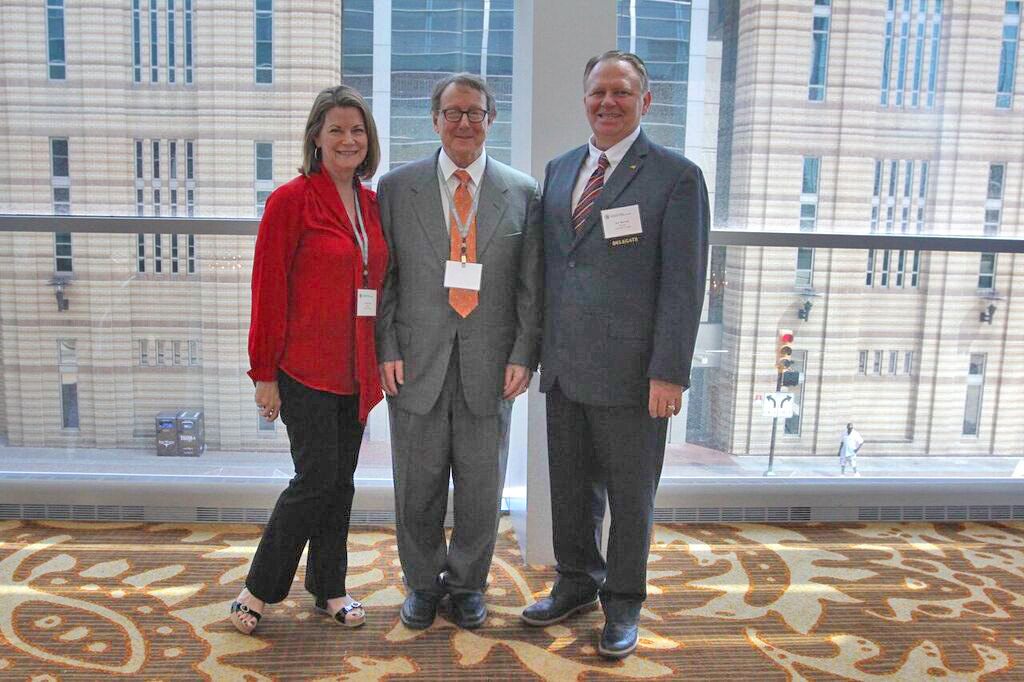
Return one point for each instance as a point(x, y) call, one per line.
point(850, 444)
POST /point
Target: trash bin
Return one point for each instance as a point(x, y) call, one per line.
point(191, 433)
point(167, 433)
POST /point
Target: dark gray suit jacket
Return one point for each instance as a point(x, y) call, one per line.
point(621, 312)
point(416, 324)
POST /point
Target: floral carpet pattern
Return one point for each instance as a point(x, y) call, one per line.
point(867, 602)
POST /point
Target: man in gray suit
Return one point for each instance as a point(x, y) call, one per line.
point(625, 243)
point(458, 337)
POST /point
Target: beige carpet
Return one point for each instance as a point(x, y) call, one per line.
point(882, 601)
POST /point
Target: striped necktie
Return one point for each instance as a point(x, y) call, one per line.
point(590, 193)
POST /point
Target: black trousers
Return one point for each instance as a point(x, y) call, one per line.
point(597, 453)
point(325, 435)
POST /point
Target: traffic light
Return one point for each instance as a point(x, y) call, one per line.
point(784, 350)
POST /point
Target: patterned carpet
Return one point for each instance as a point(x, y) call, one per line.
point(882, 601)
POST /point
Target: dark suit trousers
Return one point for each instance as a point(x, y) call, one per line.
point(325, 435)
point(425, 448)
point(596, 453)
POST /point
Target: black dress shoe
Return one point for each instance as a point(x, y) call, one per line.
point(557, 607)
point(419, 609)
point(468, 609)
point(618, 640)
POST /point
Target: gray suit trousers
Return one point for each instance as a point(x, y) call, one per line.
point(425, 449)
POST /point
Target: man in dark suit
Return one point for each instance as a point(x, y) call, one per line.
point(626, 238)
point(458, 336)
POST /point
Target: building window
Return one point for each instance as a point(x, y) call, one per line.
point(143, 352)
point(901, 264)
point(792, 424)
point(975, 388)
point(193, 353)
point(56, 60)
point(264, 41)
point(862, 362)
point(172, 174)
point(161, 352)
point(191, 254)
point(876, 196)
point(869, 276)
point(908, 196)
point(188, 41)
point(876, 365)
point(140, 253)
point(154, 54)
point(264, 174)
point(908, 362)
point(170, 41)
point(157, 254)
point(68, 370)
point(819, 50)
point(994, 198)
point(809, 194)
point(1008, 55)
point(915, 270)
point(357, 45)
point(62, 252)
point(922, 196)
point(913, 34)
point(894, 359)
point(933, 62)
point(136, 43)
point(190, 178)
point(60, 177)
point(886, 259)
point(156, 178)
point(804, 278)
point(987, 272)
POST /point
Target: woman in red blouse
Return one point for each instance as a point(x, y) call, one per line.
point(316, 275)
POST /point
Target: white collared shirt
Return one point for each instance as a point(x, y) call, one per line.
point(448, 168)
point(615, 153)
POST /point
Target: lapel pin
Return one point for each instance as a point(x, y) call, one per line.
point(632, 167)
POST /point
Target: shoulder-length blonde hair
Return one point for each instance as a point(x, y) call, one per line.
point(339, 96)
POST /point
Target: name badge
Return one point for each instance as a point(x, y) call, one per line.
point(621, 222)
point(458, 275)
point(366, 302)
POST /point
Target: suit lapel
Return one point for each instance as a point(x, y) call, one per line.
point(429, 210)
point(492, 207)
point(562, 186)
point(625, 171)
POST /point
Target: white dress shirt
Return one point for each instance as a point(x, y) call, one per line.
point(614, 154)
point(448, 168)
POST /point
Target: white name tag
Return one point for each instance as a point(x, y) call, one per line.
point(458, 275)
point(366, 302)
point(621, 222)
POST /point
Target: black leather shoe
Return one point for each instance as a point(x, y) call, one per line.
point(618, 640)
point(469, 610)
point(557, 607)
point(419, 609)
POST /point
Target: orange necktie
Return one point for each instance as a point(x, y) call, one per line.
point(463, 300)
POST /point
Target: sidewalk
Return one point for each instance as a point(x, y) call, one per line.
point(687, 461)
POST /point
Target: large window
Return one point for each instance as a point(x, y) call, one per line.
point(264, 175)
point(994, 198)
point(56, 60)
point(264, 41)
point(68, 372)
point(975, 389)
point(809, 194)
point(819, 49)
point(1008, 55)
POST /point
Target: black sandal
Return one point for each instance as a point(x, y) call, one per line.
point(342, 615)
point(239, 609)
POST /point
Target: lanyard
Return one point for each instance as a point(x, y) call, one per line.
point(361, 238)
point(462, 226)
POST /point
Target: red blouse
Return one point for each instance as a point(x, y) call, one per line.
point(305, 272)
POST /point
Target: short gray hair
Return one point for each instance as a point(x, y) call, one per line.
point(620, 56)
point(464, 80)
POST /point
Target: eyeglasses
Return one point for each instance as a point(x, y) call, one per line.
point(455, 115)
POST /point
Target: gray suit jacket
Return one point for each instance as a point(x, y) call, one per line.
point(621, 312)
point(417, 325)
